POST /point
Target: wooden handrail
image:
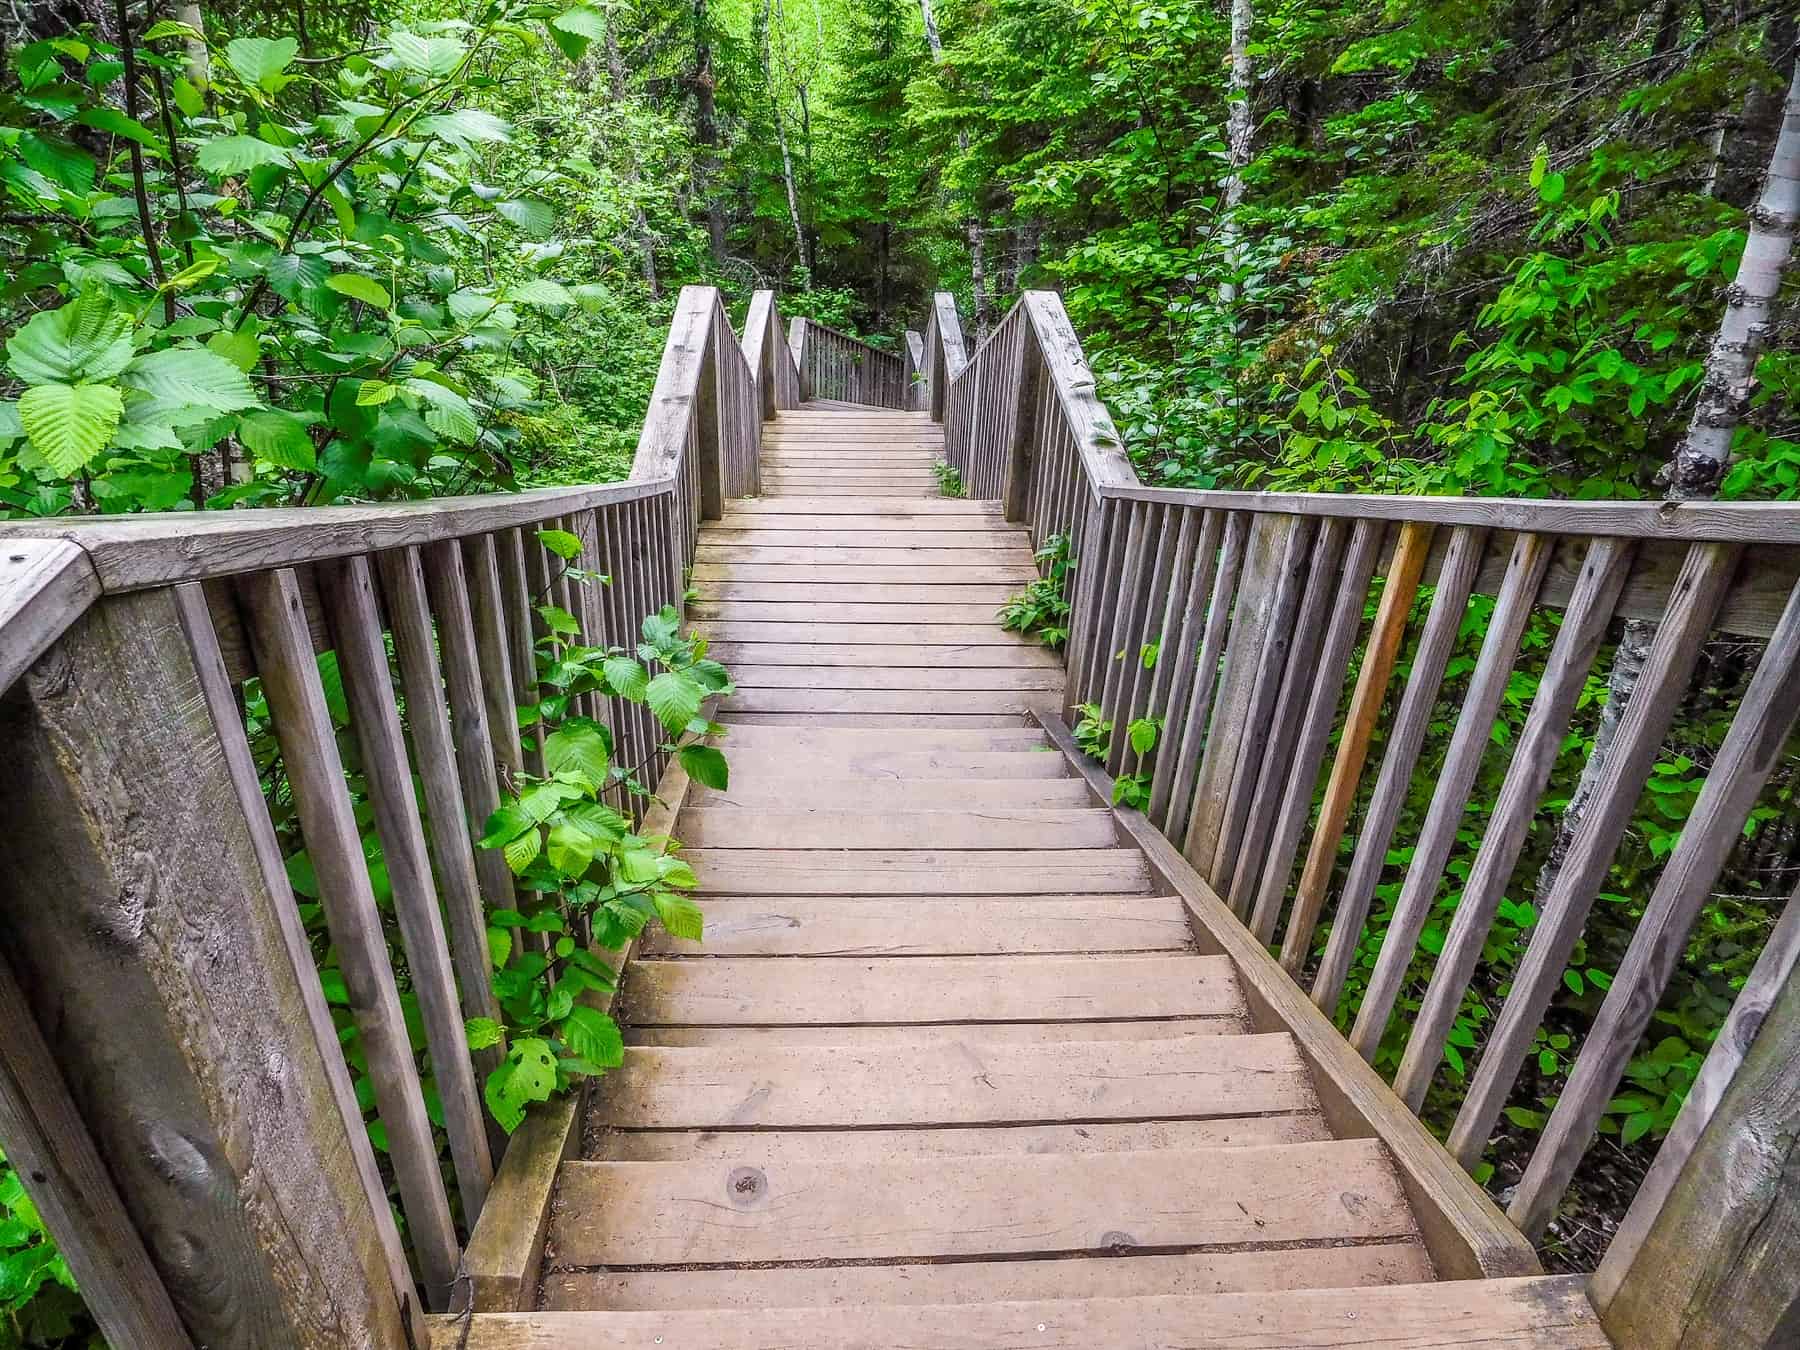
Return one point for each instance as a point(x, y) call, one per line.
point(45, 585)
point(837, 367)
point(1228, 624)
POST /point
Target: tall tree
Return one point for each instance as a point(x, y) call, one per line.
point(1238, 138)
point(973, 230)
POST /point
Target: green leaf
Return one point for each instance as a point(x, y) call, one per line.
point(85, 340)
point(466, 127)
point(278, 437)
point(374, 393)
point(482, 1032)
point(436, 56)
point(293, 277)
point(561, 543)
point(228, 156)
point(706, 766)
point(674, 698)
point(1142, 733)
point(521, 852)
point(358, 287)
point(70, 423)
point(526, 1075)
point(679, 915)
point(583, 21)
point(626, 677)
point(532, 215)
point(1525, 1119)
point(116, 123)
point(180, 376)
point(58, 160)
point(261, 62)
point(540, 291)
point(594, 1036)
point(500, 945)
point(571, 849)
point(578, 746)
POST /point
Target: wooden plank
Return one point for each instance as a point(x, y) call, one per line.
point(1740, 770)
point(964, 925)
point(1564, 677)
point(933, 508)
point(818, 1087)
point(699, 1213)
point(49, 1146)
point(157, 1016)
point(712, 551)
point(506, 1248)
point(1405, 738)
point(1043, 679)
point(753, 871)
point(927, 703)
point(1194, 718)
point(979, 1282)
point(1708, 1189)
point(1011, 577)
point(821, 632)
point(854, 831)
point(1265, 878)
point(1353, 745)
point(925, 613)
point(926, 590)
point(369, 691)
point(1468, 1237)
point(315, 775)
point(729, 991)
point(45, 585)
point(1449, 799)
point(1197, 555)
point(782, 1147)
point(947, 1035)
point(889, 655)
point(1564, 911)
point(889, 738)
point(876, 793)
point(1543, 1313)
point(1012, 718)
point(958, 529)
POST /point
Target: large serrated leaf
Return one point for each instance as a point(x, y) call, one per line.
point(706, 766)
point(260, 62)
point(674, 698)
point(625, 677)
point(594, 1036)
point(437, 56)
point(532, 215)
point(191, 376)
point(231, 155)
point(278, 437)
point(70, 423)
point(359, 287)
point(87, 339)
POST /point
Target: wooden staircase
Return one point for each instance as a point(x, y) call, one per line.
point(950, 1069)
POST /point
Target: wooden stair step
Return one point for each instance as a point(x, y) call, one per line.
point(819, 828)
point(710, 1213)
point(1008, 717)
point(844, 533)
point(755, 791)
point(751, 761)
point(1023, 1033)
point(830, 1087)
point(939, 703)
point(789, 574)
point(936, 508)
point(780, 1147)
point(770, 871)
point(1190, 1274)
point(907, 559)
point(832, 632)
point(880, 739)
point(841, 991)
point(1542, 1312)
point(963, 925)
point(708, 610)
point(815, 655)
point(977, 678)
point(925, 590)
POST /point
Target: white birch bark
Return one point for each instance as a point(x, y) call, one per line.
point(1239, 138)
point(972, 230)
point(773, 14)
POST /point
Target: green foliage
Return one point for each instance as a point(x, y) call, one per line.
point(39, 1304)
point(1042, 608)
point(950, 479)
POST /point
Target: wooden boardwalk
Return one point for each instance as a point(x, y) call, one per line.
point(948, 1069)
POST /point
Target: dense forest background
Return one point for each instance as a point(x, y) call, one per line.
point(316, 251)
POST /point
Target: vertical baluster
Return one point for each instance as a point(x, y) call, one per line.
point(491, 643)
point(315, 774)
point(1468, 744)
point(1749, 754)
point(1406, 737)
point(1238, 884)
point(1173, 555)
point(515, 596)
point(1206, 668)
point(468, 720)
point(1251, 707)
point(1693, 604)
point(1578, 640)
point(1103, 525)
point(1127, 603)
point(1266, 879)
point(1353, 746)
point(368, 687)
point(1181, 642)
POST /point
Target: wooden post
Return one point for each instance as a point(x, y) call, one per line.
point(168, 993)
point(1709, 1256)
point(1024, 378)
point(708, 436)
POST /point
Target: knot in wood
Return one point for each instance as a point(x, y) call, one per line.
point(747, 1187)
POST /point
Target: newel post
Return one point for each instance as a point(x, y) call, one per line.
point(709, 435)
point(1708, 1257)
point(160, 962)
point(797, 349)
point(1025, 370)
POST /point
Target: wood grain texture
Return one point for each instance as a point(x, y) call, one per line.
point(1543, 1313)
point(703, 1213)
point(506, 1248)
point(45, 585)
point(980, 828)
point(730, 991)
point(998, 871)
point(216, 1115)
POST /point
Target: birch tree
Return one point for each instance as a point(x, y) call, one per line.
point(972, 230)
point(772, 15)
point(1239, 139)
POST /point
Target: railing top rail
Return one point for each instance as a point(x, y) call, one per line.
point(854, 341)
point(45, 585)
point(1774, 523)
point(664, 435)
point(949, 334)
point(1102, 452)
point(132, 552)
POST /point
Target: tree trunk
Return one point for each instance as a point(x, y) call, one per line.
point(198, 68)
point(1699, 462)
point(972, 229)
point(706, 132)
point(640, 224)
point(1239, 138)
point(770, 15)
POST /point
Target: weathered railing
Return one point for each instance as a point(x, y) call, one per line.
point(1228, 629)
point(838, 367)
point(172, 1084)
